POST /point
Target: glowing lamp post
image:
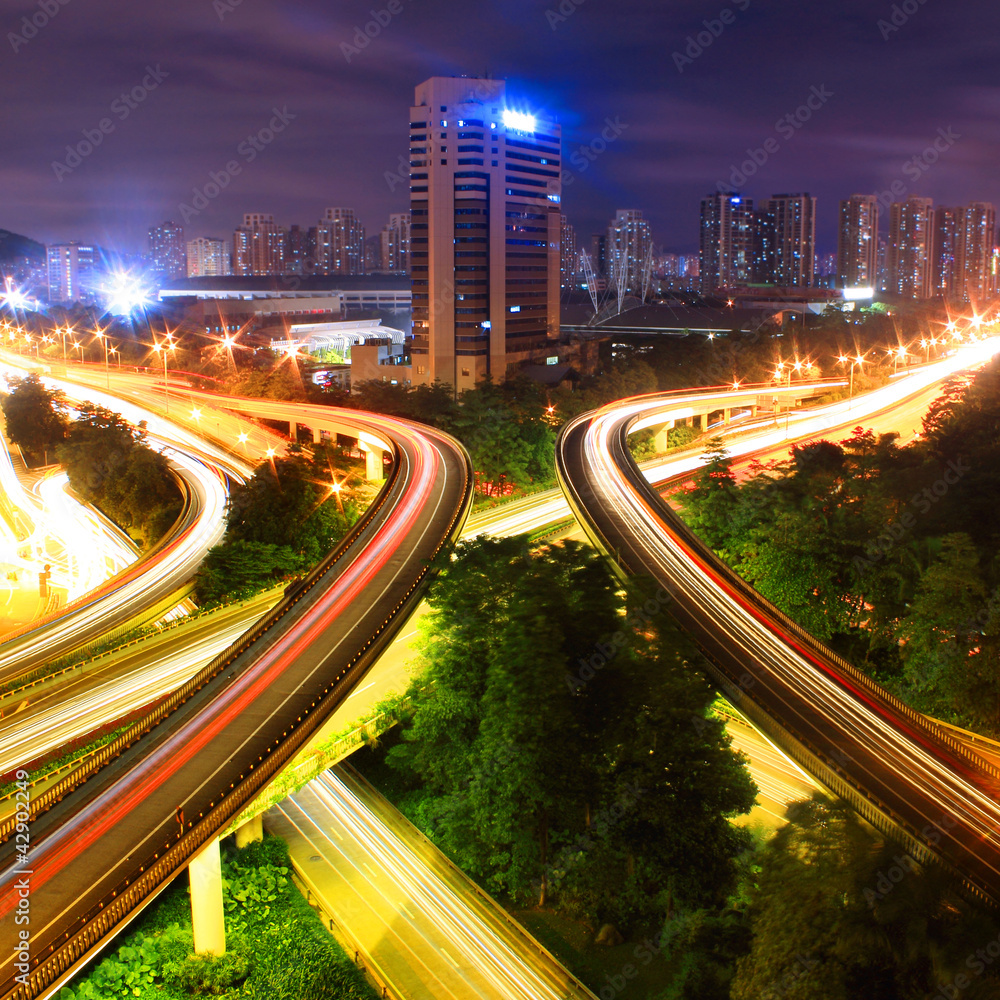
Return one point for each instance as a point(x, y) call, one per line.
point(162, 349)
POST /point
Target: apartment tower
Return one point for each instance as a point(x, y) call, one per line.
point(857, 242)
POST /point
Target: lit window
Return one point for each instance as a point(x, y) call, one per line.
point(515, 309)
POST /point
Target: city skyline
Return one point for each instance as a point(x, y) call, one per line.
point(656, 118)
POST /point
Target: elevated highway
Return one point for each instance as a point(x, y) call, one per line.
point(101, 851)
point(901, 771)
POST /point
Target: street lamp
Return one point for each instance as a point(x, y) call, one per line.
point(859, 361)
point(163, 349)
point(107, 369)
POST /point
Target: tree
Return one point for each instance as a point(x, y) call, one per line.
point(36, 416)
point(838, 913)
point(282, 521)
point(942, 631)
point(109, 464)
point(709, 505)
point(239, 569)
point(562, 754)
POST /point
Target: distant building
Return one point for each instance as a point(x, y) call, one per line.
point(298, 251)
point(484, 196)
point(977, 240)
point(73, 270)
point(727, 242)
point(340, 243)
point(792, 219)
point(599, 254)
point(167, 251)
point(630, 252)
point(396, 244)
point(259, 246)
point(569, 254)
point(207, 257)
point(945, 241)
point(857, 242)
point(910, 247)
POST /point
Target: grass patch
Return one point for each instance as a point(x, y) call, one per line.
point(277, 947)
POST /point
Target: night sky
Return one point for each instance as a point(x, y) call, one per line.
point(221, 69)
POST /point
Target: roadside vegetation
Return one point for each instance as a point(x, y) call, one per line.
point(279, 524)
point(889, 554)
point(560, 746)
point(276, 946)
point(109, 461)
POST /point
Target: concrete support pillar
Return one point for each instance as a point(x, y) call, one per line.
point(251, 831)
point(207, 916)
point(374, 468)
point(317, 436)
point(727, 416)
point(698, 421)
point(661, 436)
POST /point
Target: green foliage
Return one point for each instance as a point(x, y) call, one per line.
point(889, 554)
point(134, 967)
point(277, 948)
point(280, 382)
point(208, 975)
point(110, 465)
point(35, 416)
point(838, 914)
point(607, 788)
point(283, 521)
point(507, 432)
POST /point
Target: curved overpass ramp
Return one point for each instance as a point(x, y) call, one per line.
point(99, 852)
point(899, 770)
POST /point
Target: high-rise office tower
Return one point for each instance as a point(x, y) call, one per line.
point(484, 195)
point(72, 271)
point(167, 251)
point(630, 252)
point(793, 220)
point(569, 255)
point(727, 242)
point(946, 237)
point(977, 239)
point(857, 242)
point(207, 258)
point(909, 254)
point(396, 244)
point(340, 243)
point(259, 246)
